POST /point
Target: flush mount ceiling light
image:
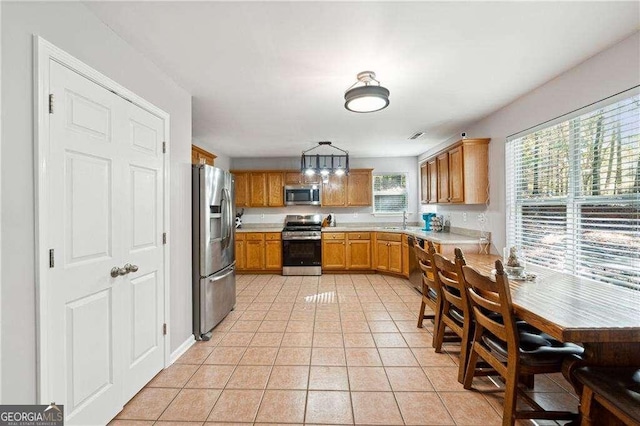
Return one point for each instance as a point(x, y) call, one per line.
point(367, 98)
point(325, 164)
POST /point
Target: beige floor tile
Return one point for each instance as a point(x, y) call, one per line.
point(299, 327)
point(196, 354)
point(327, 316)
point(423, 408)
point(375, 408)
point(408, 379)
point(297, 339)
point(363, 357)
point(352, 313)
point(236, 339)
point(277, 316)
point(148, 404)
point(397, 357)
point(259, 356)
point(328, 378)
point(410, 326)
point(328, 356)
point(427, 357)
point(329, 407)
point(253, 315)
point(358, 340)
point(327, 327)
point(349, 326)
point(369, 307)
point(389, 340)
point(293, 356)
point(444, 378)
point(377, 316)
point(249, 377)
point(328, 340)
point(259, 306)
point(245, 326)
point(211, 376)
point(405, 316)
point(289, 377)
point(267, 339)
point(382, 327)
point(302, 315)
point(117, 422)
point(368, 379)
point(175, 376)
point(418, 340)
point(225, 355)
point(191, 405)
point(470, 408)
point(282, 406)
point(273, 327)
point(236, 406)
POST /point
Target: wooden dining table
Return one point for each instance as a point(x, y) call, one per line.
point(604, 318)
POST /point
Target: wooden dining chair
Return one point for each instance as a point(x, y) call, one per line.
point(512, 349)
point(429, 292)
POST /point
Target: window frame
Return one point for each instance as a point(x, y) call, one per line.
point(374, 193)
point(574, 201)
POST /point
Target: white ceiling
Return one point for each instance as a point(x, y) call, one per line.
point(268, 79)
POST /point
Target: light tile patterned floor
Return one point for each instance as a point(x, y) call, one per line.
point(336, 349)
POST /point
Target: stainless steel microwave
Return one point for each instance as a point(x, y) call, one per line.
point(302, 195)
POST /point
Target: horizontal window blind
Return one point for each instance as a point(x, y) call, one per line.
point(390, 193)
point(573, 193)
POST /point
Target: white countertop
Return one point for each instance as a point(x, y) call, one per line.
point(436, 237)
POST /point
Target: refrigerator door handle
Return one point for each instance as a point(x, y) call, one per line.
point(230, 271)
point(228, 219)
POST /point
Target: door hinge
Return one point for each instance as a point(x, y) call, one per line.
point(51, 259)
point(164, 329)
point(164, 147)
point(51, 103)
point(164, 238)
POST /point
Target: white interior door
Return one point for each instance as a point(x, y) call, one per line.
point(142, 214)
point(104, 210)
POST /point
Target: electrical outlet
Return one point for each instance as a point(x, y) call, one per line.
point(355, 215)
point(482, 218)
point(262, 216)
point(464, 217)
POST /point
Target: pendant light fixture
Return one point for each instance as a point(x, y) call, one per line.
point(367, 97)
point(325, 164)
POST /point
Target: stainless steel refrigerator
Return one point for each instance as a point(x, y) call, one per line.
point(214, 263)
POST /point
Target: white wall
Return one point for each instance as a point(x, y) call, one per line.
point(73, 28)
point(343, 215)
point(607, 73)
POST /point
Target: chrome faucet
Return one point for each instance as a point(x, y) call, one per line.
point(404, 219)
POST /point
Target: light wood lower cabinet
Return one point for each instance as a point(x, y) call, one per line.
point(350, 251)
point(258, 251)
point(388, 253)
point(405, 256)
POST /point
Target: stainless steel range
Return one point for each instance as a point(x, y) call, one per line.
point(302, 245)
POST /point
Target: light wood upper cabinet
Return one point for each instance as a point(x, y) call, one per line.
point(456, 176)
point(275, 189)
point(258, 189)
point(359, 189)
point(201, 156)
point(460, 173)
point(334, 192)
point(424, 183)
point(432, 171)
point(442, 162)
point(242, 188)
point(297, 178)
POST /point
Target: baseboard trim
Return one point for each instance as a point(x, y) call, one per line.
point(182, 348)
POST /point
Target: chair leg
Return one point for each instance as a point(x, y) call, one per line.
point(528, 380)
point(510, 399)
point(421, 314)
point(471, 367)
point(586, 402)
point(439, 336)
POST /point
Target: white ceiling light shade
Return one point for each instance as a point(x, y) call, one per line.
point(367, 98)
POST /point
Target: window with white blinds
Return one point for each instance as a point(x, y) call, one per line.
point(390, 192)
point(573, 193)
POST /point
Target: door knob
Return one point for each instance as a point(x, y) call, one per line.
point(131, 268)
point(116, 272)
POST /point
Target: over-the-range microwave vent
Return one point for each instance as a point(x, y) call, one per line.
point(416, 135)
